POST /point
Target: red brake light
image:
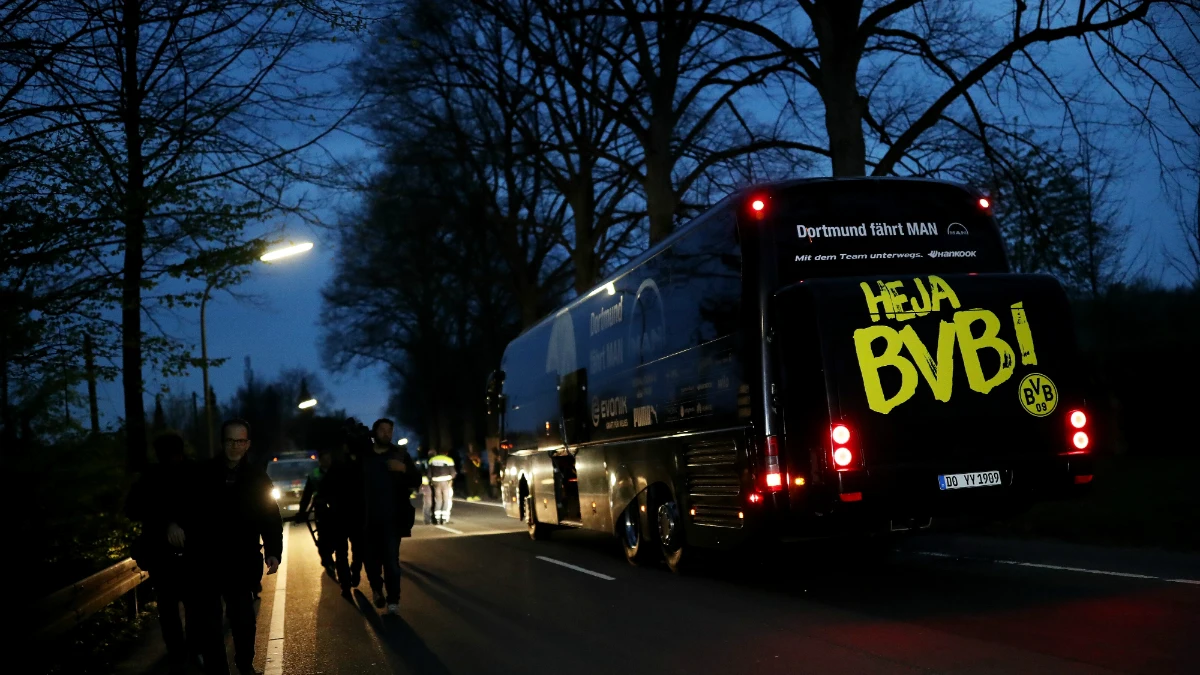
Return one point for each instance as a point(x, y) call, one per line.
point(774, 477)
point(841, 434)
point(843, 456)
point(758, 205)
point(985, 203)
point(1078, 419)
point(755, 498)
point(1080, 439)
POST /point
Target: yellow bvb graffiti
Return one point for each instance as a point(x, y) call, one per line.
point(973, 330)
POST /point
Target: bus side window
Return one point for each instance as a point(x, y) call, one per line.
point(706, 269)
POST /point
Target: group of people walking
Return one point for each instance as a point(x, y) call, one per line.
point(210, 528)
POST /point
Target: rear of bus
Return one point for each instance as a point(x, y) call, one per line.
point(920, 378)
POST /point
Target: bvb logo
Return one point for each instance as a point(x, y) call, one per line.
point(1038, 395)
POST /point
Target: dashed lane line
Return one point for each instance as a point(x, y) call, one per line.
point(576, 568)
point(1061, 568)
point(464, 501)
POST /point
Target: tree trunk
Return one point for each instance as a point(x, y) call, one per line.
point(8, 431)
point(583, 211)
point(134, 219)
point(89, 361)
point(661, 200)
point(836, 27)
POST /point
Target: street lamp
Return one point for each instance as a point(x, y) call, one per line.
point(310, 403)
point(286, 251)
point(213, 280)
point(402, 441)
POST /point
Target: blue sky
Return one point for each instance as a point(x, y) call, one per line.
point(280, 329)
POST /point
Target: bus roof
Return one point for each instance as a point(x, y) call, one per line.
point(679, 233)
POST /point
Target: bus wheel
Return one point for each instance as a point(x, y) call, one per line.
point(537, 530)
point(633, 540)
point(670, 533)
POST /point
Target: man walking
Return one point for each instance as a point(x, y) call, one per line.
point(441, 475)
point(229, 509)
point(389, 477)
point(340, 497)
point(316, 496)
point(150, 502)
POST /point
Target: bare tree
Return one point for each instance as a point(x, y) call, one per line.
point(196, 117)
point(454, 94)
point(860, 59)
point(679, 90)
point(1185, 257)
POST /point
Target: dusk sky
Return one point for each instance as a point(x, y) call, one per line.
point(281, 328)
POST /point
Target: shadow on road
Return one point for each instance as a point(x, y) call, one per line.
point(405, 645)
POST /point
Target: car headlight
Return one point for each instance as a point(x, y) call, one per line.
point(275, 494)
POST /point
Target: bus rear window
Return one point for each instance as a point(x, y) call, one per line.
point(867, 227)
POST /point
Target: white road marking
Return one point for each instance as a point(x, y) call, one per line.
point(576, 568)
point(1075, 569)
point(278, 614)
point(500, 506)
point(451, 530)
point(1063, 568)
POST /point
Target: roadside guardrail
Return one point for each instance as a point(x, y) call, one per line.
point(68, 607)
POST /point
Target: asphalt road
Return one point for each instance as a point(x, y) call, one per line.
point(481, 597)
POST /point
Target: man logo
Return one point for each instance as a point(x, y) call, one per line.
point(956, 228)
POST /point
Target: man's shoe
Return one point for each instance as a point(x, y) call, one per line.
point(379, 599)
point(331, 571)
point(346, 592)
point(393, 609)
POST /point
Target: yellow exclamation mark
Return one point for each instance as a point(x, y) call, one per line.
point(1024, 335)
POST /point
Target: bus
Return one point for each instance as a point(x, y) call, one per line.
point(808, 358)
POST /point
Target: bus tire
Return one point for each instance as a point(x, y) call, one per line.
point(671, 538)
point(638, 550)
point(538, 531)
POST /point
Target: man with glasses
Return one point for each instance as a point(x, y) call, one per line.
point(229, 507)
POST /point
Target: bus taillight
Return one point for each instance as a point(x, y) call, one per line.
point(1080, 440)
point(842, 455)
point(774, 477)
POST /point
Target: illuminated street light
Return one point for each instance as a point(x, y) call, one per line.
point(310, 403)
point(402, 441)
point(286, 251)
point(208, 289)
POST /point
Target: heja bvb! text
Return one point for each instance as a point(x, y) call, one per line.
point(970, 330)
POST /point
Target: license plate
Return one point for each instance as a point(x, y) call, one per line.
point(958, 481)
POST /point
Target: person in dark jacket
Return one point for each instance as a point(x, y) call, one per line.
point(317, 498)
point(149, 503)
point(388, 478)
point(340, 513)
point(229, 508)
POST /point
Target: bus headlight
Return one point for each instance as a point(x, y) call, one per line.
point(275, 494)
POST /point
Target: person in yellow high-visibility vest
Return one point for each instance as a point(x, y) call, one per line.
point(441, 476)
